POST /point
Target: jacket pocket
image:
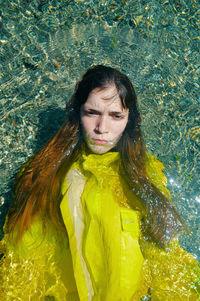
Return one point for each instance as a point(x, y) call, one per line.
point(130, 221)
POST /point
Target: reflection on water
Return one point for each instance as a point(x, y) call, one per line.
point(47, 45)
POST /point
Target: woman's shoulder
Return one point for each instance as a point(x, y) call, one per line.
point(154, 170)
point(30, 241)
point(153, 164)
point(34, 240)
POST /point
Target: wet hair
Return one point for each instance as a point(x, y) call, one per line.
point(38, 186)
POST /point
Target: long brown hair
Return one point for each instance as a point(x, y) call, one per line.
point(38, 186)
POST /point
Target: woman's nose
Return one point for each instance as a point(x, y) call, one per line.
point(102, 125)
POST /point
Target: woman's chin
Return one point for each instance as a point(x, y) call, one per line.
point(99, 148)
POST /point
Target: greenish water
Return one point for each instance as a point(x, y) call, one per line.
point(45, 46)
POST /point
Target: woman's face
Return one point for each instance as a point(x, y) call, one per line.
point(103, 119)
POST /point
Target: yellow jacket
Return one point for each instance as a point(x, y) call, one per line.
point(102, 256)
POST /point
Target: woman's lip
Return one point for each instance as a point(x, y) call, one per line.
point(99, 141)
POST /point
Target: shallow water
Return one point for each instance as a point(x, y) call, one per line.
point(46, 46)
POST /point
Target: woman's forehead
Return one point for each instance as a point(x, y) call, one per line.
point(105, 98)
point(111, 104)
point(109, 92)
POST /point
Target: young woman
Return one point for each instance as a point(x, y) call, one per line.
point(92, 217)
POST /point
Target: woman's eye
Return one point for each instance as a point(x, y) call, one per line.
point(117, 116)
point(90, 113)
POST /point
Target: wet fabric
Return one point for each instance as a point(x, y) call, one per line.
point(102, 256)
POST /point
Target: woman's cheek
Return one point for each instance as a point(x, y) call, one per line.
point(87, 124)
point(119, 128)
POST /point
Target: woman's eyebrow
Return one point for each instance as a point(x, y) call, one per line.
point(110, 112)
point(116, 112)
point(91, 109)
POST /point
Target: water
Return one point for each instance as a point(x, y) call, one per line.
point(46, 46)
